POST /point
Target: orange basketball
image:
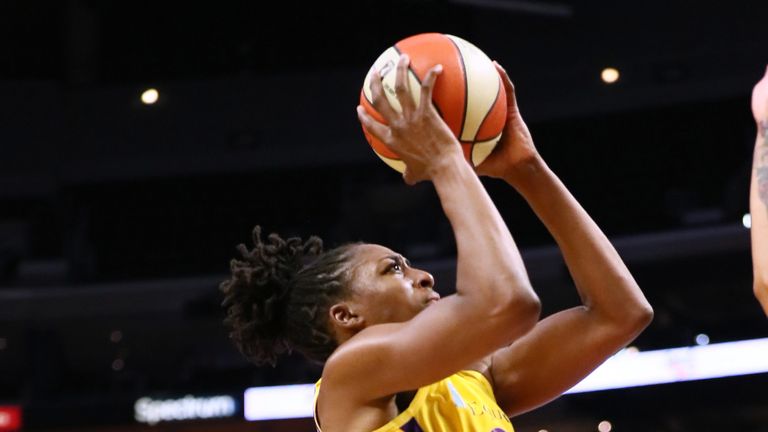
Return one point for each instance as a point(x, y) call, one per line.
point(468, 94)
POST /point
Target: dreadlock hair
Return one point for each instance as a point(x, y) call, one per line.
point(278, 296)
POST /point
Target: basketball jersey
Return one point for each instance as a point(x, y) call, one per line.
point(462, 402)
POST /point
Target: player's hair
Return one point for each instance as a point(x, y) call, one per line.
point(278, 295)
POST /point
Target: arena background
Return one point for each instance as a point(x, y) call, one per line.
point(118, 218)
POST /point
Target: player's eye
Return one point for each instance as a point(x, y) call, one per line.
point(395, 266)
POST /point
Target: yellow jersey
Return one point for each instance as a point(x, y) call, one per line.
point(463, 402)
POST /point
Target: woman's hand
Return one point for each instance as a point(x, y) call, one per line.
point(515, 148)
point(417, 134)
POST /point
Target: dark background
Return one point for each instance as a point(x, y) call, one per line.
point(117, 220)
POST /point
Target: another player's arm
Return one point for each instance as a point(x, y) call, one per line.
point(564, 347)
point(494, 302)
point(758, 196)
point(758, 206)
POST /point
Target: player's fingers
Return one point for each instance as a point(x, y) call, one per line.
point(379, 99)
point(409, 178)
point(402, 85)
point(428, 86)
point(509, 88)
point(378, 130)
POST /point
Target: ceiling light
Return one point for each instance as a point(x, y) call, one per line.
point(150, 96)
point(609, 75)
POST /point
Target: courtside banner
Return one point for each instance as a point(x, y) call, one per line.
point(154, 410)
point(10, 418)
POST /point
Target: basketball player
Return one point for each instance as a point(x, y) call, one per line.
point(396, 356)
point(758, 196)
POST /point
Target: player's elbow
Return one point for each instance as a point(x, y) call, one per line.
point(642, 316)
point(630, 323)
point(529, 311)
point(633, 313)
point(635, 318)
point(629, 319)
point(521, 311)
point(507, 303)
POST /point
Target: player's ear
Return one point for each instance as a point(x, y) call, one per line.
point(344, 315)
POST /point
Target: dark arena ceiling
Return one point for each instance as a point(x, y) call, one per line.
point(121, 217)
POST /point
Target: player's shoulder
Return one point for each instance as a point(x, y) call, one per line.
point(348, 372)
point(370, 348)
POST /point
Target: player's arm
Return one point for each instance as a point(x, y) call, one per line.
point(494, 302)
point(564, 347)
point(758, 196)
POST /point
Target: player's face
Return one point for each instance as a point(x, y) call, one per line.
point(386, 288)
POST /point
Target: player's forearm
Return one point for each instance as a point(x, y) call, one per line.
point(604, 282)
point(758, 203)
point(489, 263)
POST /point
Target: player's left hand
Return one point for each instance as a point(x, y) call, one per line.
point(515, 147)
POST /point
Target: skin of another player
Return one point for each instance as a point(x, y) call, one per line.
point(395, 334)
point(758, 196)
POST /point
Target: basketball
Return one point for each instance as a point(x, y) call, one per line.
point(468, 94)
